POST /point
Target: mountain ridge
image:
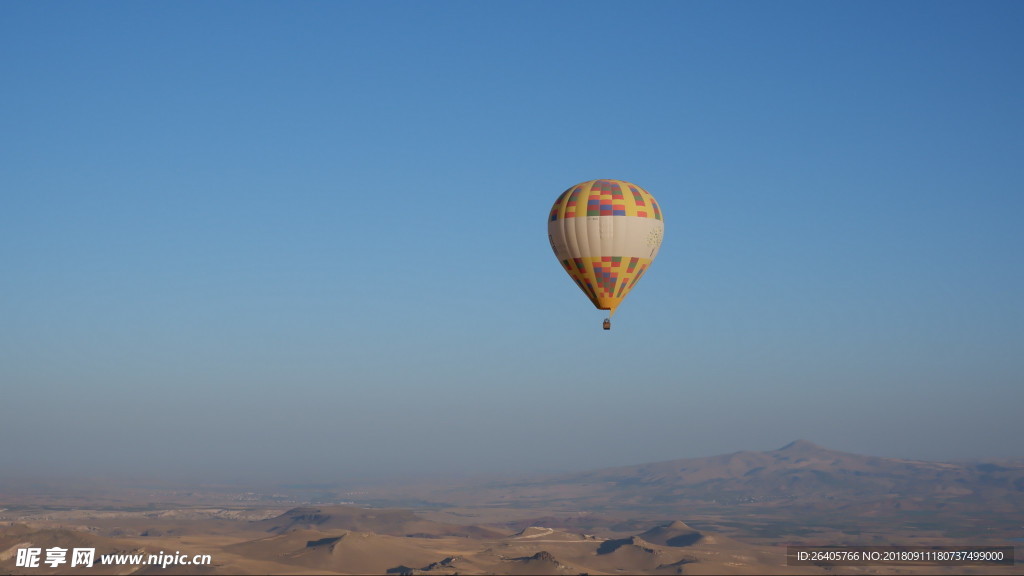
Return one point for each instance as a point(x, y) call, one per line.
point(801, 481)
point(802, 469)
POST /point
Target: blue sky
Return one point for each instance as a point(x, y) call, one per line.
point(306, 241)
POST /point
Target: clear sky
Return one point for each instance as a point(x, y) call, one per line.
point(307, 240)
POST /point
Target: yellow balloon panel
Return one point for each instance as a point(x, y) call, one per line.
point(605, 233)
point(607, 279)
point(605, 198)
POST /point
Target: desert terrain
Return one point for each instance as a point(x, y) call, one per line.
point(730, 514)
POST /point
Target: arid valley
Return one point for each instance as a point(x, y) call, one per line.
point(730, 514)
point(504, 287)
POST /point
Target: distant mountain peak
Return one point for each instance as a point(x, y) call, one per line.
point(801, 446)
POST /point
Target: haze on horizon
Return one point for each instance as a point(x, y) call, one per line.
point(306, 242)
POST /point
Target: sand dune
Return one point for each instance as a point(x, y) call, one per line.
point(676, 534)
point(542, 562)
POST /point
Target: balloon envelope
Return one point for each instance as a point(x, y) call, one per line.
point(606, 233)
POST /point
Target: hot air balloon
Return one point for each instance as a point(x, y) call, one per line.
point(606, 233)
